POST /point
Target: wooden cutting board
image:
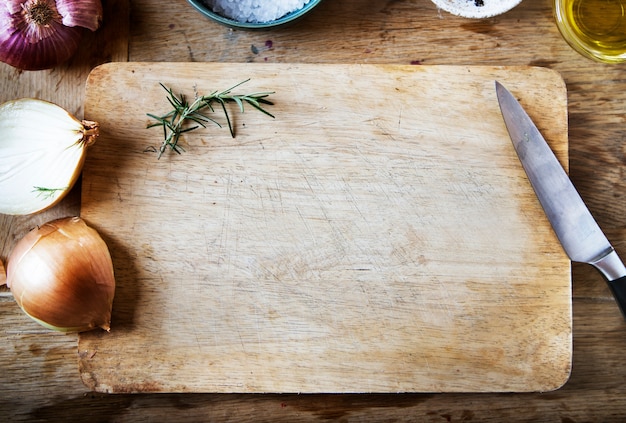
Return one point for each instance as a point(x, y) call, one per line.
point(378, 235)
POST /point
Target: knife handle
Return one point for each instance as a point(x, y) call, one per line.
point(618, 287)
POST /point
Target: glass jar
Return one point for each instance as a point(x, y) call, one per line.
point(594, 28)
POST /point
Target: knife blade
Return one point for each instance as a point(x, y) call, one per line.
point(579, 234)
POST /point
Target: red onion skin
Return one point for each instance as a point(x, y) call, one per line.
point(28, 46)
point(18, 52)
point(85, 13)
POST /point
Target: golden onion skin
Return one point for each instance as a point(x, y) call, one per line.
point(61, 275)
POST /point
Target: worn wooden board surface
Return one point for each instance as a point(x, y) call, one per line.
point(379, 235)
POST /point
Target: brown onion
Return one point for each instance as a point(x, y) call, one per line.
point(3, 274)
point(40, 34)
point(61, 275)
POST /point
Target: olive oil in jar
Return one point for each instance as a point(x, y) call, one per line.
point(595, 28)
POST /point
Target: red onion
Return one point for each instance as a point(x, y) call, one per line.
point(40, 34)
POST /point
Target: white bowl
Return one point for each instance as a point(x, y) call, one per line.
point(476, 9)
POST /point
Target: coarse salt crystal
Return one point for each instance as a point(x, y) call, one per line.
point(255, 11)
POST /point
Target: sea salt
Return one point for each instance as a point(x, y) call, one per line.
point(256, 11)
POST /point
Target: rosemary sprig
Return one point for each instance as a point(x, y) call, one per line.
point(185, 116)
point(45, 193)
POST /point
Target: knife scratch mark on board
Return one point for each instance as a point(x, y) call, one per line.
point(315, 186)
point(307, 226)
point(224, 256)
point(350, 193)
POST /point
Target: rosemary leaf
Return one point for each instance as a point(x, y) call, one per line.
point(45, 192)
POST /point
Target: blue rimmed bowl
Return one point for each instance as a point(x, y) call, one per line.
point(287, 19)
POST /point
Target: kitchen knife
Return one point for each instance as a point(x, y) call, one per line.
point(581, 237)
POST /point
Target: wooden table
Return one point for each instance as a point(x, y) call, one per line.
point(39, 378)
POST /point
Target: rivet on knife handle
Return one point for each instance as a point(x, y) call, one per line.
point(579, 234)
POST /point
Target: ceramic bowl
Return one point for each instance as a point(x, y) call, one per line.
point(289, 18)
point(476, 9)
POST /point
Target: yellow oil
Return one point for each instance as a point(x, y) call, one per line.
point(598, 27)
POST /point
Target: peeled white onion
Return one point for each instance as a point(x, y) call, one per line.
point(42, 151)
point(61, 275)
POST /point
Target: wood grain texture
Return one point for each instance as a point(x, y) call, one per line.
point(383, 240)
point(39, 380)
